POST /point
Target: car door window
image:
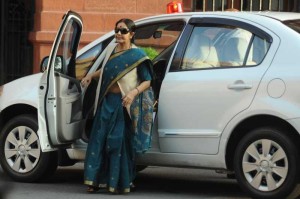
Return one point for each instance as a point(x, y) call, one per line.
point(67, 50)
point(158, 41)
point(85, 61)
point(233, 47)
point(155, 38)
point(213, 46)
point(200, 51)
point(259, 49)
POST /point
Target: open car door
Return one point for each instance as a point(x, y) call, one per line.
point(60, 95)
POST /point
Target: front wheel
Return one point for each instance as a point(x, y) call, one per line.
point(265, 163)
point(20, 151)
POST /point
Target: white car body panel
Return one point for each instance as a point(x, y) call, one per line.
point(21, 91)
point(207, 121)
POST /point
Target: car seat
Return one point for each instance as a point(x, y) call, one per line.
point(201, 53)
point(234, 51)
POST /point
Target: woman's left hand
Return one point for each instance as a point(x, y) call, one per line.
point(128, 99)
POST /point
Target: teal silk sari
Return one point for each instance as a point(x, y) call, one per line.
point(115, 137)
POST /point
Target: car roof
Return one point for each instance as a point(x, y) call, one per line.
point(253, 16)
point(280, 16)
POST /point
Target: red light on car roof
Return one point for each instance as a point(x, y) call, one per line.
point(174, 7)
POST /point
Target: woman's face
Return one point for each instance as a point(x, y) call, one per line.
point(122, 33)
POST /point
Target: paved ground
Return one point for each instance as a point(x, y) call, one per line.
point(152, 183)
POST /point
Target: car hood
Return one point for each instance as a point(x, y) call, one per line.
point(21, 91)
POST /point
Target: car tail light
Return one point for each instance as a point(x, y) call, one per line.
point(174, 7)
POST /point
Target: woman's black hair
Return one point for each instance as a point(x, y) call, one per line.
point(129, 23)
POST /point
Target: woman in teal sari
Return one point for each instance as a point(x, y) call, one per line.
point(123, 118)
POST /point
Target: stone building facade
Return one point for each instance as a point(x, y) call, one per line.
point(99, 17)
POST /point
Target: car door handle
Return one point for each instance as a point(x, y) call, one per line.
point(239, 86)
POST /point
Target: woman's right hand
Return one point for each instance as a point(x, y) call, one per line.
point(85, 82)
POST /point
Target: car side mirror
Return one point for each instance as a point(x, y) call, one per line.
point(44, 64)
point(58, 64)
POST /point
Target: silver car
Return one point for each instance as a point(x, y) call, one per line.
point(227, 92)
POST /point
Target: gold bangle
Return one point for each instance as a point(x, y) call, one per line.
point(137, 90)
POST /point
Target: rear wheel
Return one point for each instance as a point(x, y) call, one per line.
point(20, 151)
point(265, 163)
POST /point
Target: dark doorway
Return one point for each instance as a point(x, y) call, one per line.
point(16, 51)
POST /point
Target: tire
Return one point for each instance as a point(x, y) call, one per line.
point(269, 176)
point(20, 152)
point(231, 176)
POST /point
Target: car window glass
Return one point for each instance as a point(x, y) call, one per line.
point(200, 51)
point(213, 46)
point(67, 49)
point(85, 61)
point(233, 50)
point(293, 24)
point(155, 38)
point(259, 49)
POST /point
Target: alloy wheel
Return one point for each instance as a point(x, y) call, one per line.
point(265, 165)
point(22, 149)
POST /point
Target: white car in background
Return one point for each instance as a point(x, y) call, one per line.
point(227, 87)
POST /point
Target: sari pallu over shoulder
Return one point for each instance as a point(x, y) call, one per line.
point(117, 66)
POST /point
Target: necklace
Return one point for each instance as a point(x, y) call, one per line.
point(119, 49)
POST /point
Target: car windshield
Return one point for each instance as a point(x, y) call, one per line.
point(293, 24)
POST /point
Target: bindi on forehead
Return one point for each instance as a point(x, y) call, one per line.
point(121, 25)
